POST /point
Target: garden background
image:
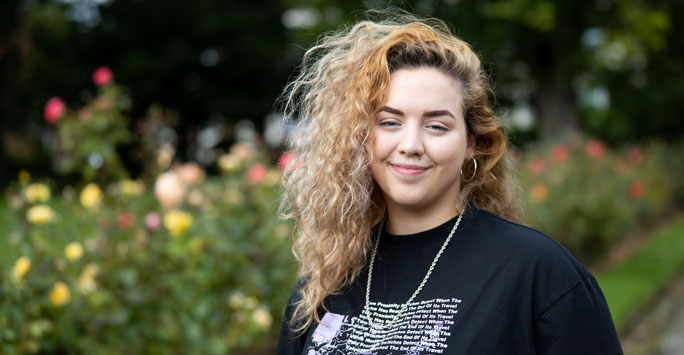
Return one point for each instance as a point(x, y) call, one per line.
point(141, 153)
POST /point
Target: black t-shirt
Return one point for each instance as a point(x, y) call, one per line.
point(498, 288)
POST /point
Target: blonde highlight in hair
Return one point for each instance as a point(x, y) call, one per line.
point(343, 81)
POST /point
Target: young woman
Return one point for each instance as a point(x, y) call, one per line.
point(406, 211)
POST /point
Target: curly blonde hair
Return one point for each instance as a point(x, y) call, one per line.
point(330, 192)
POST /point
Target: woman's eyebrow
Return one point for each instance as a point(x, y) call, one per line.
point(391, 110)
point(435, 113)
point(438, 113)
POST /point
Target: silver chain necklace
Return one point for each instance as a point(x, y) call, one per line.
point(404, 306)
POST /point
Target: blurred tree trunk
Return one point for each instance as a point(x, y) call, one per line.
point(556, 108)
point(549, 58)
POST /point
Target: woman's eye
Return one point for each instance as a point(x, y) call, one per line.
point(438, 128)
point(389, 123)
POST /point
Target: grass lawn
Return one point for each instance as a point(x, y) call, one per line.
point(635, 282)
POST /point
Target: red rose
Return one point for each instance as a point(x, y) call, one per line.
point(103, 76)
point(54, 110)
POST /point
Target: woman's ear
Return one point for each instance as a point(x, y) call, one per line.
point(472, 143)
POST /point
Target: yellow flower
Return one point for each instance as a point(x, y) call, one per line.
point(24, 177)
point(262, 318)
point(37, 193)
point(177, 222)
point(40, 214)
point(91, 195)
point(86, 285)
point(21, 267)
point(59, 295)
point(131, 187)
point(229, 162)
point(242, 151)
point(73, 251)
point(86, 281)
point(90, 270)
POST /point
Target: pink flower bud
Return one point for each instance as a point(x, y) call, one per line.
point(54, 110)
point(103, 76)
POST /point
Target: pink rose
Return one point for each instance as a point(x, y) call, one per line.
point(536, 166)
point(152, 221)
point(103, 76)
point(286, 159)
point(560, 153)
point(256, 173)
point(595, 149)
point(54, 110)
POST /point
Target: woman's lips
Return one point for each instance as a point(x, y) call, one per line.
point(408, 169)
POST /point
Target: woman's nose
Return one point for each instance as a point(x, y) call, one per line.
point(411, 141)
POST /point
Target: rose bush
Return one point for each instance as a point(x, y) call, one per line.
point(114, 269)
point(587, 196)
point(87, 138)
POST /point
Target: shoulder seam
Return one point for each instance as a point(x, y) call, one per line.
point(557, 300)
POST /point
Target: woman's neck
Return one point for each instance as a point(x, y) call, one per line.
point(401, 221)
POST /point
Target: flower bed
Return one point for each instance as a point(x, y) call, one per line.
point(587, 196)
point(195, 266)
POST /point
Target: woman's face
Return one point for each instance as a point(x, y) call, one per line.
point(419, 142)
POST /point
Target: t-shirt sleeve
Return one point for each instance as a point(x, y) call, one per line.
point(579, 322)
point(289, 341)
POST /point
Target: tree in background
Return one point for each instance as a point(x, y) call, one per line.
point(608, 68)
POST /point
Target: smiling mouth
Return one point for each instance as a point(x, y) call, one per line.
point(408, 169)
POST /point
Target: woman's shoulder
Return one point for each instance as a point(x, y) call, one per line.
point(530, 257)
point(531, 247)
point(500, 230)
